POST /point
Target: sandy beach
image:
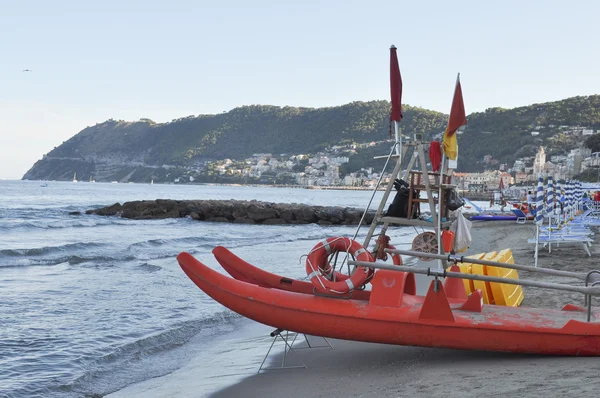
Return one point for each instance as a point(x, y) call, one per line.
point(353, 369)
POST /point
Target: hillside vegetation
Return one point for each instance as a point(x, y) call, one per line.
point(243, 131)
point(506, 133)
point(145, 149)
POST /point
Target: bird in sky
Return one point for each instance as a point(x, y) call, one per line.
point(26, 70)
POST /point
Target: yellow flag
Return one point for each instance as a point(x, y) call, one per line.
point(450, 146)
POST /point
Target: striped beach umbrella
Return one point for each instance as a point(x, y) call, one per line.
point(539, 215)
point(567, 205)
point(575, 203)
point(582, 191)
point(570, 198)
point(559, 191)
point(579, 194)
point(550, 196)
point(539, 203)
point(568, 193)
point(557, 202)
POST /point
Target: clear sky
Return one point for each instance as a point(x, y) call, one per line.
point(162, 60)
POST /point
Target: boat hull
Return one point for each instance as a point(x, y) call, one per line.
point(246, 272)
point(493, 217)
point(403, 319)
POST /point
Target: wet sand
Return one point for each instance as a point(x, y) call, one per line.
point(353, 369)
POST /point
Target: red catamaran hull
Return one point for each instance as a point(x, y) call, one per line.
point(246, 272)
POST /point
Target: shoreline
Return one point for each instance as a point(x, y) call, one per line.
point(369, 369)
point(480, 196)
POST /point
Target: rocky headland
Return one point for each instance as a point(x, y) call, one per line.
point(235, 211)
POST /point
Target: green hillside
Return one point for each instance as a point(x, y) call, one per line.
point(246, 130)
point(236, 135)
point(144, 150)
point(506, 133)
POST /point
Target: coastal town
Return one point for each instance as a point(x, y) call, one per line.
point(324, 169)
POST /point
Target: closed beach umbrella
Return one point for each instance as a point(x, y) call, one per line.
point(549, 195)
point(567, 204)
point(539, 205)
point(539, 215)
point(570, 199)
point(573, 196)
point(559, 190)
point(579, 193)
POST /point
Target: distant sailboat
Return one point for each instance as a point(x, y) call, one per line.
point(91, 179)
point(152, 182)
point(74, 177)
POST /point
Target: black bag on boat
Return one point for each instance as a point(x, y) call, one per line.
point(399, 207)
point(453, 199)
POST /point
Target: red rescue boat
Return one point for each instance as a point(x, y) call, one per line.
point(393, 314)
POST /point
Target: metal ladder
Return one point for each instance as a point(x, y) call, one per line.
point(417, 155)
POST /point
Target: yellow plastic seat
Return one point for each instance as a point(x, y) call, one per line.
point(504, 294)
point(486, 290)
point(493, 292)
point(465, 268)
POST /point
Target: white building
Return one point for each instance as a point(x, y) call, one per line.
point(539, 162)
point(592, 161)
point(575, 158)
point(519, 165)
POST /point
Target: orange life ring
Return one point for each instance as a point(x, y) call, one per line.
point(317, 265)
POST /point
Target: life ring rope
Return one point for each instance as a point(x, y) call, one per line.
point(329, 271)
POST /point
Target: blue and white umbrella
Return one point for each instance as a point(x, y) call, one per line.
point(579, 194)
point(550, 203)
point(574, 195)
point(539, 215)
point(559, 197)
point(568, 196)
point(571, 197)
point(539, 203)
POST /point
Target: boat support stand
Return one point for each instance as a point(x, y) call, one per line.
point(289, 338)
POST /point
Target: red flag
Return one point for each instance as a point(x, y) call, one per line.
point(435, 155)
point(457, 118)
point(457, 112)
point(395, 85)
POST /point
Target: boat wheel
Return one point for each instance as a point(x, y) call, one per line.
point(425, 242)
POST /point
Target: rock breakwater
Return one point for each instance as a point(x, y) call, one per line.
point(236, 211)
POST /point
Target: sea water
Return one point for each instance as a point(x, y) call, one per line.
point(90, 305)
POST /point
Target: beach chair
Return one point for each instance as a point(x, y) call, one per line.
point(588, 218)
point(521, 216)
point(547, 240)
point(568, 229)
